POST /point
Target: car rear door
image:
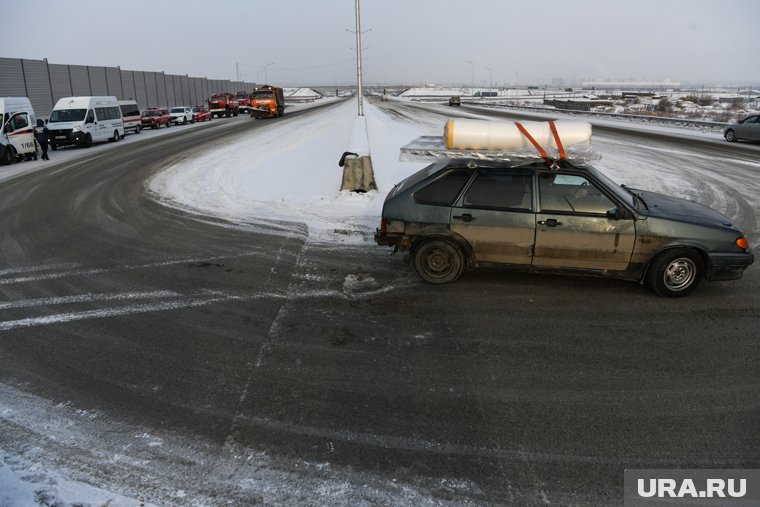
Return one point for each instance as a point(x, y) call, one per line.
point(495, 215)
point(574, 228)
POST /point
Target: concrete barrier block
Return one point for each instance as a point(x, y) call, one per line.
point(358, 175)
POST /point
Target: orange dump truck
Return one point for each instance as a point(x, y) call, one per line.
point(267, 102)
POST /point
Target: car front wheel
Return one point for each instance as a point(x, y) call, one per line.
point(438, 261)
point(675, 273)
point(730, 136)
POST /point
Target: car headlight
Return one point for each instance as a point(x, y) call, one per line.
point(76, 129)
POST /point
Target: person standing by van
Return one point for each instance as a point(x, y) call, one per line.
point(42, 134)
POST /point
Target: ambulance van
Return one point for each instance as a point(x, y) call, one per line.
point(17, 122)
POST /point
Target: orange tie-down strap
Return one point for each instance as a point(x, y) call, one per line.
point(541, 151)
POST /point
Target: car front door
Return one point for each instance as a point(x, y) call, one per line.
point(744, 130)
point(576, 226)
point(495, 215)
point(21, 133)
point(753, 129)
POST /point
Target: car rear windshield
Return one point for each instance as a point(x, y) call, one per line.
point(444, 190)
point(63, 115)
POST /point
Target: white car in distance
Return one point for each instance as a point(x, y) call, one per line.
point(181, 114)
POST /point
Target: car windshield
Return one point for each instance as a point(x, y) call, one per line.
point(619, 191)
point(152, 113)
point(178, 110)
point(262, 95)
point(197, 109)
point(64, 115)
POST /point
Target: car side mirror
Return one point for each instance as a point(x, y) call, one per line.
point(615, 213)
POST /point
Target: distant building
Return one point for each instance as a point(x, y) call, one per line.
point(632, 85)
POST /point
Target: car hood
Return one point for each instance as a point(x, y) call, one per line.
point(683, 210)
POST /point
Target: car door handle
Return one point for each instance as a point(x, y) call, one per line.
point(464, 218)
point(549, 223)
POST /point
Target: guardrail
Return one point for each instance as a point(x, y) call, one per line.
point(638, 118)
point(710, 126)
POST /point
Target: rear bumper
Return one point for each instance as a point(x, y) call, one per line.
point(728, 266)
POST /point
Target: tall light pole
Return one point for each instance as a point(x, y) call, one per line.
point(490, 86)
point(359, 59)
point(266, 77)
point(473, 74)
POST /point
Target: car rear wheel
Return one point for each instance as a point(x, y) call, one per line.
point(438, 261)
point(137, 129)
point(115, 136)
point(675, 273)
point(730, 135)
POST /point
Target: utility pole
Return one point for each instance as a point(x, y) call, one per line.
point(473, 74)
point(359, 58)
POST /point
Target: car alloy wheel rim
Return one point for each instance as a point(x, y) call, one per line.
point(679, 274)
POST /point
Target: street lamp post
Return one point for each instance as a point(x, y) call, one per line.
point(266, 77)
point(359, 59)
point(473, 74)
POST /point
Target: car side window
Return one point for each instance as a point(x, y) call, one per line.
point(500, 190)
point(90, 116)
point(19, 122)
point(570, 193)
point(444, 190)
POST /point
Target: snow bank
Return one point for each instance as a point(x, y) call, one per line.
point(289, 173)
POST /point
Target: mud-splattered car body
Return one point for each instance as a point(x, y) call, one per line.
point(459, 213)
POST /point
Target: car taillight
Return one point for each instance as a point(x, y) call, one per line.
point(742, 242)
point(383, 225)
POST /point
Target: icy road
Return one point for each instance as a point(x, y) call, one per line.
point(199, 318)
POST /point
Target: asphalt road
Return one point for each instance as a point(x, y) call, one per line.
point(268, 369)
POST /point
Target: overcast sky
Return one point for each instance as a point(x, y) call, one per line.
point(410, 41)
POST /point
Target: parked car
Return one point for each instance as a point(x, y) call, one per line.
point(748, 128)
point(200, 113)
point(130, 115)
point(155, 117)
point(455, 101)
point(464, 213)
point(84, 120)
point(182, 114)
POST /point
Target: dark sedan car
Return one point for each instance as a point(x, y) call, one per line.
point(463, 213)
point(748, 128)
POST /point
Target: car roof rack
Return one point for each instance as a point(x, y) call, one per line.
point(427, 148)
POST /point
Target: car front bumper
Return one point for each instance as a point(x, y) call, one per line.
point(729, 266)
point(66, 137)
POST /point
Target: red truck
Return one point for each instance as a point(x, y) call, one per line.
point(223, 104)
point(267, 102)
point(244, 101)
